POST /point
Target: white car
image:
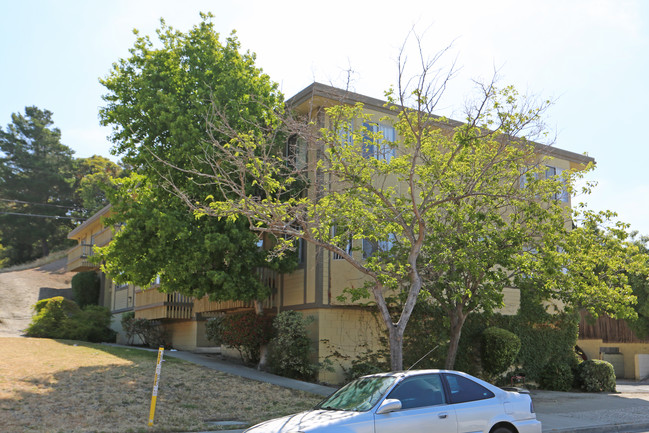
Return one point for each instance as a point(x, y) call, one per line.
point(440, 401)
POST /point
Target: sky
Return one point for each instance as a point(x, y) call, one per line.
point(591, 57)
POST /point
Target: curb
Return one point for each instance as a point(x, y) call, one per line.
point(609, 428)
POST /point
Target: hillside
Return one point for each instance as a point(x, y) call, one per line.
point(19, 291)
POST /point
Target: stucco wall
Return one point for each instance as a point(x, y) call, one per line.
point(629, 350)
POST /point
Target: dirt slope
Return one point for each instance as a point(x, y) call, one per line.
point(19, 291)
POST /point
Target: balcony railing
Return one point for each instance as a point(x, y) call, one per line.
point(103, 237)
point(78, 258)
point(153, 305)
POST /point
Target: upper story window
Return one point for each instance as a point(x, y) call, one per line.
point(551, 171)
point(379, 149)
point(345, 132)
point(296, 152)
point(371, 247)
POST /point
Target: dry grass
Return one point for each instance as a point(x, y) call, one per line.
point(64, 386)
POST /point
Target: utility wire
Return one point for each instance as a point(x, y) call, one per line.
point(42, 216)
point(37, 204)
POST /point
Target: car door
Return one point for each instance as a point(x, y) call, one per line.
point(423, 408)
point(474, 404)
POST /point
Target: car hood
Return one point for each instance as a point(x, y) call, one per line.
point(305, 421)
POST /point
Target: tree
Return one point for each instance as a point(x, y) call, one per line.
point(453, 209)
point(36, 178)
point(158, 103)
point(640, 284)
point(92, 176)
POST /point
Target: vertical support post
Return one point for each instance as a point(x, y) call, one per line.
point(154, 394)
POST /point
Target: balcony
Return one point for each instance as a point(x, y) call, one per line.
point(103, 237)
point(78, 259)
point(153, 305)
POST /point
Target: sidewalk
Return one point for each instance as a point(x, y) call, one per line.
point(559, 412)
point(624, 411)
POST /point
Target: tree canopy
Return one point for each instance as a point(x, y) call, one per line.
point(158, 102)
point(36, 185)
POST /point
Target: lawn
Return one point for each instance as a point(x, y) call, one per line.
point(68, 386)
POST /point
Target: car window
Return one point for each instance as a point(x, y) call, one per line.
point(463, 389)
point(419, 391)
point(360, 395)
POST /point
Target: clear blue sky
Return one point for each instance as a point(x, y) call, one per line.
point(592, 56)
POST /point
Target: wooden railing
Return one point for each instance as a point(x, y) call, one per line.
point(78, 258)
point(152, 304)
point(103, 237)
point(267, 276)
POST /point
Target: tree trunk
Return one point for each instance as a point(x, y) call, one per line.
point(45, 247)
point(457, 319)
point(396, 348)
point(263, 349)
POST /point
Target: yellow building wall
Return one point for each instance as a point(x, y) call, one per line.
point(293, 288)
point(347, 331)
point(182, 333)
point(629, 350)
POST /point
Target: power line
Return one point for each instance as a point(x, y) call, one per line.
point(42, 216)
point(37, 204)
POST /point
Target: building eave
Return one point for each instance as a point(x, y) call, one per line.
point(318, 90)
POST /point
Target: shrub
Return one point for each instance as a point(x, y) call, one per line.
point(85, 288)
point(51, 314)
point(368, 363)
point(498, 350)
point(290, 349)
point(213, 329)
point(91, 324)
point(596, 375)
point(556, 376)
point(150, 332)
point(61, 318)
point(246, 332)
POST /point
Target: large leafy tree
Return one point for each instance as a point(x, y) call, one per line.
point(451, 209)
point(93, 176)
point(36, 185)
point(158, 101)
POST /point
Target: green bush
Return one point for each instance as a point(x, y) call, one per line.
point(61, 318)
point(85, 288)
point(246, 332)
point(51, 315)
point(556, 376)
point(498, 350)
point(213, 329)
point(290, 349)
point(150, 332)
point(596, 375)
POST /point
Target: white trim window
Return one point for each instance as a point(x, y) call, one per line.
point(370, 247)
point(551, 171)
point(383, 149)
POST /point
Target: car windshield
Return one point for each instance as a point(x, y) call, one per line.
point(360, 395)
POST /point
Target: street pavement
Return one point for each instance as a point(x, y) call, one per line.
point(625, 411)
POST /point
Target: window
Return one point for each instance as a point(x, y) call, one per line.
point(419, 391)
point(550, 171)
point(370, 247)
point(381, 149)
point(301, 251)
point(463, 389)
point(296, 152)
point(345, 132)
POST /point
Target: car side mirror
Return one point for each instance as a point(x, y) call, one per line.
point(389, 405)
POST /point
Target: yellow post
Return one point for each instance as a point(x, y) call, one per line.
point(154, 394)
